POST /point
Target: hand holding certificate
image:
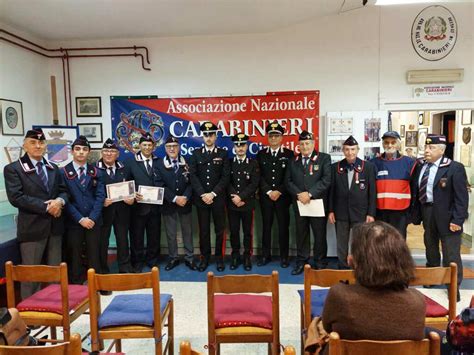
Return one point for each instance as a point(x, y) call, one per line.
point(315, 208)
point(121, 191)
point(151, 194)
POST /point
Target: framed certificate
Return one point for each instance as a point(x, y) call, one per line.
point(121, 190)
point(151, 194)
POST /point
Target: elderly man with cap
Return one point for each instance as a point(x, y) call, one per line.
point(209, 170)
point(177, 207)
point(87, 194)
point(394, 173)
point(36, 187)
point(441, 202)
point(116, 214)
point(244, 178)
point(143, 168)
point(274, 198)
point(352, 196)
point(309, 178)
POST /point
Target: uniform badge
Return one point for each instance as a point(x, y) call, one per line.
point(94, 182)
point(443, 182)
point(362, 186)
point(316, 167)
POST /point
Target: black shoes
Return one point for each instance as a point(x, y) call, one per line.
point(235, 263)
point(298, 269)
point(105, 293)
point(190, 264)
point(172, 264)
point(247, 263)
point(264, 261)
point(284, 263)
point(220, 264)
point(203, 265)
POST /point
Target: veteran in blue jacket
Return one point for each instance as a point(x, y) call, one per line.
point(84, 210)
point(441, 202)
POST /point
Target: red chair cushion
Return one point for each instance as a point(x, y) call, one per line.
point(243, 310)
point(434, 309)
point(49, 299)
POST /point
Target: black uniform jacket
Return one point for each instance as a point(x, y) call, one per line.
point(244, 180)
point(272, 170)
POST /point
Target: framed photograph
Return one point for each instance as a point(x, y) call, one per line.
point(411, 138)
point(59, 140)
point(340, 126)
point(151, 194)
point(371, 152)
point(13, 150)
point(11, 113)
point(467, 119)
point(335, 146)
point(92, 131)
point(94, 155)
point(372, 128)
point(121, 191)
point(88, 106)
point(422, 133)
point(402, 131)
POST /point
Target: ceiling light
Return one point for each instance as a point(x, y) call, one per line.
point(400, 2)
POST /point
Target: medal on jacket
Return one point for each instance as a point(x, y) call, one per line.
point(357, 177)
point(311, 169)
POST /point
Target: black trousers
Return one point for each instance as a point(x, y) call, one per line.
point(151, 224)
point(450, 243)
point(235, 218)
point(280, 208)
point(398, 219)
point(217, 210)
point(76, 236)
point(303, 240)
point(121, 224)
point(343, 233)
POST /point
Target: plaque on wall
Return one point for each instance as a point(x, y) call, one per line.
point(340, 126)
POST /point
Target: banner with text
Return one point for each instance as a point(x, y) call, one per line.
point(181, 117)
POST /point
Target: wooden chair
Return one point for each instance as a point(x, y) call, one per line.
point(321, 278)
point(439, 276)
point(67, 304)
point(430, 346)
point(240, 286)
point(115, 324)
point(73, 347)
point(185, 349)
point(289, 350)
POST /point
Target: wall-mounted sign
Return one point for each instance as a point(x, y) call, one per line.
point(434, 33)
point(433, 90)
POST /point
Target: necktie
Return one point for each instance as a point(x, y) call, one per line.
point(148, 166)
point(350, 167)
point(175, 165)
point(424, 184)
point(42, 175)
point(111, 172)
point(305, 162)
point(82, 176)
point(274, 154)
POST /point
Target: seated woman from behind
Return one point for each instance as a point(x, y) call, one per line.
point(380, 306)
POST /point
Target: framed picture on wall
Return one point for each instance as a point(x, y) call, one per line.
point(339, 126)
point(88, 106)
point(411, 138)
point(467, 119)
point(422, 133)
point(11, 113)
point(59, 140)
point(94, 155)
point(402, 131)
point(92, 131)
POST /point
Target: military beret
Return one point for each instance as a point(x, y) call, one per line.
point(208, 127)
point(305, 136)
point(171, 140)
point(146, 138)
point(109, 144)
point(391, 134)
point(435, 139)
point(36, 133)
point(81, 140)
point(351, 141)
point(240, 138)
point(274, 127)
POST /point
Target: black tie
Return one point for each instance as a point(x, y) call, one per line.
point(274, 154)
point(424, 184)
point(148, 166)
point(111, 172)
point(82, 176)
point(305, 162)
point(42, 175)
point(175, 165)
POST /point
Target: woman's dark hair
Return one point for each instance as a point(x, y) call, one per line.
point(381, 257)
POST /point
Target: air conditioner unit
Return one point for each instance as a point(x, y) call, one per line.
point(435, 76)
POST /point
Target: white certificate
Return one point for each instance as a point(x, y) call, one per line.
point(315, 208)
point(151, 194)
point(121, 191)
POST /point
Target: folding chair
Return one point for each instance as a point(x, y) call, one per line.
point(130, 315)
point(240, 316)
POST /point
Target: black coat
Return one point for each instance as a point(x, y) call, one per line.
point(26, 191)
point(244, 179)
point(272, 170)
point(315, 178)
point(175, 184)
point(354, 204)
point(450, 195)
point(135, 170)
point(209, 173)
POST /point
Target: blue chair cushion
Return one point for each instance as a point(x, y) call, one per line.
point(134, 309)
point(318, 297)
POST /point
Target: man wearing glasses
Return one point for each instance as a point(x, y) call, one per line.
point(174, 174)
point(209, 170)
point(114, 214)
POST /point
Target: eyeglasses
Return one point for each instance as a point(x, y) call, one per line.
point(171, 147)
point(109, 151)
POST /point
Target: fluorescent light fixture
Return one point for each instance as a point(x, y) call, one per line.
point(400, 2)
point(435, 76)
